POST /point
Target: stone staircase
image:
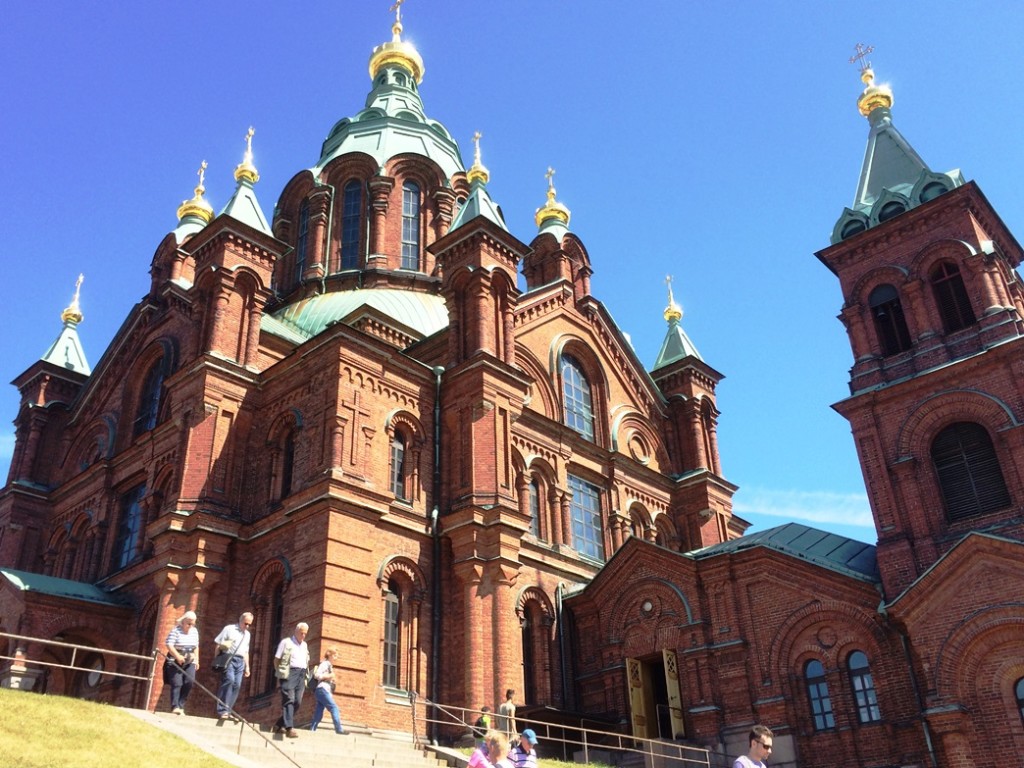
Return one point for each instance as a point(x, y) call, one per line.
point(241, 746)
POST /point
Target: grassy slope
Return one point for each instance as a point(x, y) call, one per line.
point(58, 732)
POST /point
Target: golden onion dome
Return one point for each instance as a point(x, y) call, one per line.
point(197, 206)
point(673, 312)
point(552, 209)
point(478, 171)
point(397, 52)
point(246, 170)
point(874, 96)
point(73, 312)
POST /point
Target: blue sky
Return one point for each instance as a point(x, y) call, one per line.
point(716, 142)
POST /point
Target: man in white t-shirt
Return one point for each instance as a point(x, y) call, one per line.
point(761, 739)
point(291, 662)
point(233, 640)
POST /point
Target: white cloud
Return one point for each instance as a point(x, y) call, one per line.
point(815, 506)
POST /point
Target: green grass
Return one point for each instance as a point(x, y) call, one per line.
point(58, 732)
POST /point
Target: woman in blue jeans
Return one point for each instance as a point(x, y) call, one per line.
point(324, 673)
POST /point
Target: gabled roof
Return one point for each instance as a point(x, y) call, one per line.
point(54, 587)
point(837, 553)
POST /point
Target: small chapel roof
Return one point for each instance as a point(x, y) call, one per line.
point(677, 344)
point(23, 581)
point(66, 351)
point(243, 205)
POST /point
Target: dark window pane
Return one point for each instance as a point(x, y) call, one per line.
point(970, 477)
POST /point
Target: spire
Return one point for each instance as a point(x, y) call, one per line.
point(243, 205)
point(397, 52)
point(479, 202)
point(552, 215)
point(893, 177)
point(66, 351)
point(677, 344)
point(197, 207)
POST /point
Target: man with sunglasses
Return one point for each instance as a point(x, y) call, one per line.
point(234, 640)
point(761, 739)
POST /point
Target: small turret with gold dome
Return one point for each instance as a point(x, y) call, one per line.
point(245, 170)
point(197, 207)
point(552, 212)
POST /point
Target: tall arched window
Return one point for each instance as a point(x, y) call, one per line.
point(287, 464)
point(951, 297)
point(398, 473)
point(890, 324)
point(579, 412)
point(817, 694)
point(150, 399)
point(534, 496)
point(587, 523)
point(351, 218)
point(410, 225)
point(863, 687)
point(302, 244)
point(392, 642)
point(968, 470)
point(128, 544)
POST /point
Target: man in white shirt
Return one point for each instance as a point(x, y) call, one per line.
point(290, 664)
point(761, 739)
point(233, 640)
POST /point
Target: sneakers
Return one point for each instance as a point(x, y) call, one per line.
point(224, 716)
point(177, 711)
point(291, 733)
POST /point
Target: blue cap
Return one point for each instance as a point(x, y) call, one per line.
point(530, 736)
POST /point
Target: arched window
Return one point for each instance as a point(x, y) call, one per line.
point(534, 493)
point(863, 687)
point(392, 650)
point(587, 525)
point(890, 324)
point(968, 470)
point(351, 218)
point(150, 399)
point(128, 544)
point(817, 694)
point(302, 244)
point(398, 473)
point(410, 225)
point(951, 297)
point(579, 412)
point(287, 464)
point(1019, 693)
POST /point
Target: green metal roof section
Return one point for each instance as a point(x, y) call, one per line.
point(54, 587)
point(479, 203)
point(393, 123)
point(836, 553)
point(244, 207)
point(889, 162)
point(676, 346)
point(66, 352)
point(423, 313)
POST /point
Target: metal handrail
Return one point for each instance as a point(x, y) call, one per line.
point(587, 738)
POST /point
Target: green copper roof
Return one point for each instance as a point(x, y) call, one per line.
point(50, 585)
point(243, 206)
point(889, 161)
point(479, 203)
point(66, 352)
point(393, 123)
point(423, 314)
point(676, 346)
point(837, 553)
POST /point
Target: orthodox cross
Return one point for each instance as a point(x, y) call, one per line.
point(248, 141)
point(202, 173)
point(476, 143)
point(78, 288)
point(397, 8)
point(550, 175)
point(861, 57)
point(668, 282)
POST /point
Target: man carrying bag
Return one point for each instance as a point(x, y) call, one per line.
point(233, 654)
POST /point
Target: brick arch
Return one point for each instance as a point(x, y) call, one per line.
point(288, 202)
point(640, 517)
point(666, 597)
point(967, 650)
point(947, 249)
point(534, 594)
point(889, 274)
point(278, 569)
point(404, 420)
point(578, 348)
point(93, 443)
point(629, 424)
point(666, 530)
point(943, 408)
point(163, 350)
point(405, 569)
point(540, 381)
point(796, 640)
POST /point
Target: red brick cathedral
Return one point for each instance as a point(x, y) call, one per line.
point(382, 413)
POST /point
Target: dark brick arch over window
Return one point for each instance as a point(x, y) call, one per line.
point(968, 471)
point(951, 297)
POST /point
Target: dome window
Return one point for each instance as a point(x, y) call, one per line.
point(890, 210)
point(933, 190)
point(851, 228)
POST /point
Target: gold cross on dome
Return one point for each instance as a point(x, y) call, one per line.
point(476, 146)
point(248, 140)
point(78, 288)
point(550, 176)
point(202, 173)
point(861, 57)
point(397, 8)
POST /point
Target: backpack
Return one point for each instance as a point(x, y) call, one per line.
point(311, 681)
